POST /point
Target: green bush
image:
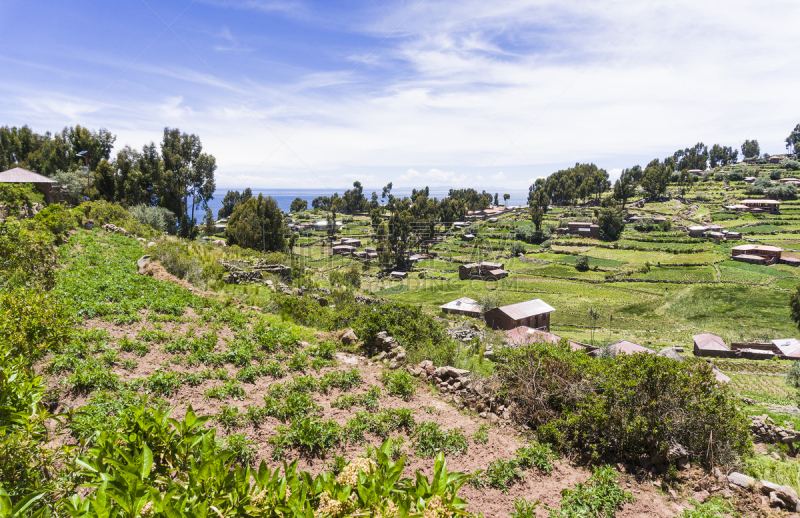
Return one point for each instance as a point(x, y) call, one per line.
point(623, 406)
point(175, 257)
point(18, 195)
point(57, 220)
point(159, 218)
point(517, 248)
point(429, 440)
point(399, 383)
point(582, 263)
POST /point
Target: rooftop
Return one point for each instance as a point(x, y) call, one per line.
point(709, 342)
point(768, 202)
point(764, 248)
point(527, 309)
point(626, 347)
point(462, 304)
point(20, 175)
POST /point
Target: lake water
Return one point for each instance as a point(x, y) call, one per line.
point(284, 197)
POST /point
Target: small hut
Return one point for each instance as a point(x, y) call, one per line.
point(20, 175)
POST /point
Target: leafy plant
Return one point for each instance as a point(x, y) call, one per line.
point(481, 435)
point(399, 383)
point(599, 496)
point(429, 440)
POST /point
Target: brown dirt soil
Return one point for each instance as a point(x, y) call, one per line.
point(501, 445)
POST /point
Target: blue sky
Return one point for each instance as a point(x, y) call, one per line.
point(295, 93)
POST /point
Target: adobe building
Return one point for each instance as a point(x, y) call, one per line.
point(20, 175)
point(771, 206)
point(706, 344)
point(531, 313)
point(583, 229)
point(757, 254)
point(463, 306)
point(484, 271)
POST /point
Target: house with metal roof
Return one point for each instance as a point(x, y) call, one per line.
point(790, 347)
point(20, 175)
point(531, 313)
point(706, 344)
point(756, 254)
point(463, 306)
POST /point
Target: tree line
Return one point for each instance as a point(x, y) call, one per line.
point(175, 175)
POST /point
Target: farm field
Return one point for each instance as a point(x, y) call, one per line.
point(275, 391)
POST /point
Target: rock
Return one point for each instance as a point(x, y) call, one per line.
point(349, 337)
point(440, 372)
point(456, 385)
point(741, 481)
point(701, 496)
point(727, 494)
point(719, 475)
point(424, 364)
point(482, 415)
point(673, 494)
point(775, 456)
point(683, 464)
point(774, 501)
point(142, 262)
point(493, 418)
point(671, 353)
point(785, 493)
point(393, 365)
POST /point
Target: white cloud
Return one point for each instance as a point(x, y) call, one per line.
point(458, 91)
point(437, 177)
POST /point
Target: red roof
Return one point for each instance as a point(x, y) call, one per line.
point(20, 175)
point(709, 342)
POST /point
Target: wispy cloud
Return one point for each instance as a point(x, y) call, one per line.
point(460, 94)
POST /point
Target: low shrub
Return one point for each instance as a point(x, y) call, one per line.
point(399, 383)
point(623, 406)
point(429, 440)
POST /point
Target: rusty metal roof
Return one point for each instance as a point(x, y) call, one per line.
point(527, 309)
point(20, 175)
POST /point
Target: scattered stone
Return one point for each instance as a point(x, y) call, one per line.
point(701, 496)
point(741, 481)
point(349, 337)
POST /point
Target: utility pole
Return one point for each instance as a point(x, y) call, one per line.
point(84, 154)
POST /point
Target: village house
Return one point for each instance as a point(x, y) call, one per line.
point(695, 172)
point(531, 313)
point(771, 206)
point(583, 229)
point(789, 347)
point(706, 344)
point(463, 306)
point(343, 250)
point(20, 175)
point(757, 254)
point(482, 271)
point(398, 275)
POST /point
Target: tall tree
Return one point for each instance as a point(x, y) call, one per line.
point(298, 205)
point(655, 178)
point(257, 224)
point(793, 141)
point(183, 175)
point(231, 199)
point(751, 149)
point(505, 199)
